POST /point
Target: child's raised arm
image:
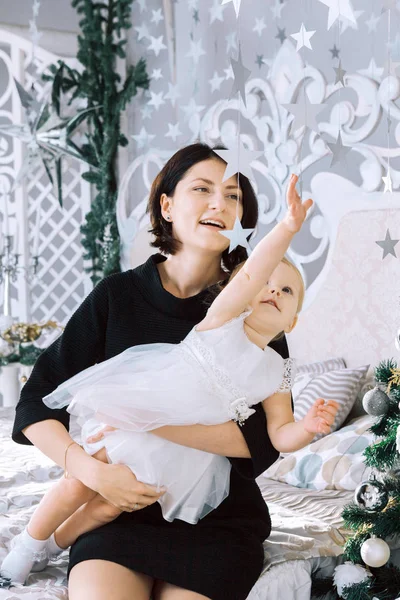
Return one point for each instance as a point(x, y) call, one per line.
point(266, 256)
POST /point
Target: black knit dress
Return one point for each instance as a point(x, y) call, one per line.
point(221, 556)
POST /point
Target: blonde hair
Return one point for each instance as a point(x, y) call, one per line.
point(302, 290)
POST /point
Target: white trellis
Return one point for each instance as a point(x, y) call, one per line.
point(62, 283)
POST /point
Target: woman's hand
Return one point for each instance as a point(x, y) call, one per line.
point(321, 416)
point(297, 210)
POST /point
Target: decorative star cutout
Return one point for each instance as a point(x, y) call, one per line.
point(196, 17)
point(231, 42)
point(238, 161)
point(339, 8)
point(334, 51)
point(173, 94)
point(157, 16)
point(303, 38)
point(372, 22)
point(146, 111)
point(338, 150)
point(229, 73)
point(236, 4)
point(238, 236)
point(156, 100)
point(241, 75)
point(281, 35)
point(388, 182)
point(277, 8)
point(216, 81)
point(157, 44)
point(373, 71)
point(48, 138)
point(216, 12)
point(196, 51)
point(260, 60)
point(142, 31)
point(388, 245)
point(304, 113)
point(173, 131)
point(346, 24)
point(156, 74)
point(143, 138)
point(340, 73)
point(192, 109)
point(259, 26)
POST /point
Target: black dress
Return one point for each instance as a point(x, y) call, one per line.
point(222, 555)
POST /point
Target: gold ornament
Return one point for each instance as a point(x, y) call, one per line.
point(26, 332)
point(394, 379)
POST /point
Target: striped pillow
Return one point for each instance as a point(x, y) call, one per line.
point(331, 364)
point(341, 385)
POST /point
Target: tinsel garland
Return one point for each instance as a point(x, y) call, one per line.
point(100, 43)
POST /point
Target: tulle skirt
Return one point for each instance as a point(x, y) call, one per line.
point(141, 389)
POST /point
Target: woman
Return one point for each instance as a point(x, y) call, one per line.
point(140, 553)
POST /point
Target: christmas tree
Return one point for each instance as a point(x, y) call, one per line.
point(374, 515)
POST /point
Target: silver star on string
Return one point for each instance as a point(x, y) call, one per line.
point(303, 38)
point(238, 236)
point(337, 149)
point(236, 4)
point(281, 35)
point(388, 245)
point(339, 8)
point(304, 113)
point(241, 75)
point(48, 138)
point(239, 160)
point(388, 182)
point(335, 51)
point(340, 73)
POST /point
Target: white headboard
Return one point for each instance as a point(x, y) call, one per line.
point(356, 312)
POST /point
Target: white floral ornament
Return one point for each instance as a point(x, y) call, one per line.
point(349, 574)
point(240, 410)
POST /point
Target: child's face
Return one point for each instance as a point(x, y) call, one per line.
point(275, 307)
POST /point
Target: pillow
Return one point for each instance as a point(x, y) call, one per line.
point(335, 462)
point(342, 385)
point(330, 364)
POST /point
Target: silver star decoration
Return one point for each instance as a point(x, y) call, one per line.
point(303, 38)
point(238, 236)
point(196, 17)
point(337, 149)
point(241, 75)
point(281, 35)
point(216, 81)
point(339, 8)
point(340, 73)
point(260, 60)
point(388, 182)
point(238, 161)
point(48, 138)
point(304, 113)
point(236, 4)
point(277, 8)
point(216, 12)
point(372, 22)
point(346, 23)
point(335, 51)
point(388, 245)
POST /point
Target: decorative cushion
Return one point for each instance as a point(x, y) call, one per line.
point(334, 462)
point(331, 364)
point(342, 385)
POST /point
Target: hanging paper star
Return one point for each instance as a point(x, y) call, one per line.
point(340, 73)
point(259, 26)
point(157, 16)
point(281, 35)
point(216, 81)
point(372, 22)
point(236, 4)
point(173, 131)
point(238, 236)
point(335, 52)
point(216, 12)
point(157, 44)
point(347, 24)
point(277, 8)
point(388, 182)
point(388, 245)
point(48, 138)
point(238, 160)
point(372, 71)
point(337, 149)
point(303, 38)
point(304, 113)
point(173, 94)
point(389, 5)
point(241, 75)
point(156, 100)
point(143, 138)
point(259, 60)
point(196, 51)
point(339, 8)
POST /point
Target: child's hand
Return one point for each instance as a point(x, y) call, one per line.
point(297, 210)
point(321, 416)
point(100, 434)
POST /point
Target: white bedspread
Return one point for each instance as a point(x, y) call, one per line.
point(306, 525)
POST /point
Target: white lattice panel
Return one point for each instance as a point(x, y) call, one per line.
point(62, 283)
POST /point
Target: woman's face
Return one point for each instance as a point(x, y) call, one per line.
point(199, 197)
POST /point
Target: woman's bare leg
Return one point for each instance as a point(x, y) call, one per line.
point(103, 580)
point(167, 591)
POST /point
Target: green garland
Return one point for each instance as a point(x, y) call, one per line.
point(100, 43)
point(381, 455)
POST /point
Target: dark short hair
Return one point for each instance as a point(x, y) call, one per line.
point(165, 183)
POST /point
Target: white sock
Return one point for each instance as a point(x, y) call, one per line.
point(19, 561)
point(52, 546)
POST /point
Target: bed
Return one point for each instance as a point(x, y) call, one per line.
point(354, 316)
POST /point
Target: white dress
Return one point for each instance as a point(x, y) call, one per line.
point(209, 378)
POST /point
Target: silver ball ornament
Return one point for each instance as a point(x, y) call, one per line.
point(375, 552)
point(372, 496)
point(376, 402)
point(347, 575)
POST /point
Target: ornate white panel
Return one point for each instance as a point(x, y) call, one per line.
point(61, 284)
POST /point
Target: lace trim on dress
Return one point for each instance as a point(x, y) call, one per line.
point(289, 372)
